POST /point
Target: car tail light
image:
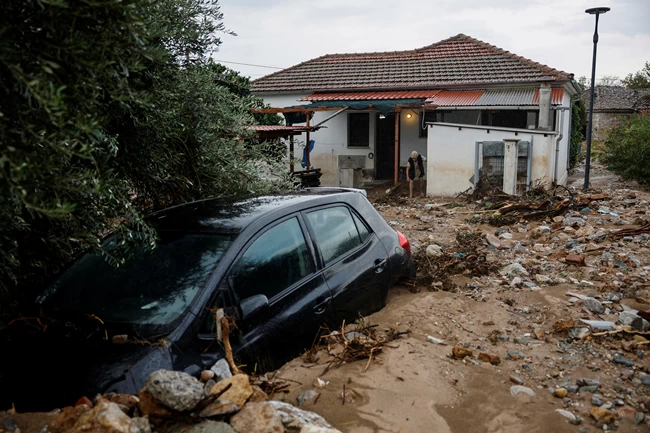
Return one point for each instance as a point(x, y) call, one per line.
point(403, 242)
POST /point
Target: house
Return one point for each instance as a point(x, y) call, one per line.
point(611, 104)
point(454, 102)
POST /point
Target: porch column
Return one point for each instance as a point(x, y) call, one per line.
point(307, 118)
point(291, 168)
point(510, 158)
point(396, 177)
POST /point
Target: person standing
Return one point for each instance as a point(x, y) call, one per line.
point(415, 172)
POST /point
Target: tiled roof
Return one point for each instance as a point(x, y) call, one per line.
point(617, 98)
point(459, 60)
point(370, 96)
point(493, 97)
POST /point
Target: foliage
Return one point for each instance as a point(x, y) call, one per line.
point(638, 80)
point(628, 148)
point(108, 110)
point(578, 122)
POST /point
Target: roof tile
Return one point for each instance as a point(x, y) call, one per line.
point(455, 61)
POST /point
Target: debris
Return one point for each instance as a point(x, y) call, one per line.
point(460, 352)
point(599, 324)
point(320, 383)
point(307, 395)
point(435, 340)
point(594, 305)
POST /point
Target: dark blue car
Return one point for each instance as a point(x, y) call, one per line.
point(283, 266)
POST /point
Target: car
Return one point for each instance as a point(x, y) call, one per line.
point(281, 266)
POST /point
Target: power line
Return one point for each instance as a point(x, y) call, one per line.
point(248, 64)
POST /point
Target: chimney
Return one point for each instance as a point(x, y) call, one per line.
point(545, 123)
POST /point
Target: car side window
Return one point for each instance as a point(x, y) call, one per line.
point(335, 231)
point(362, 227)
point(275, 261)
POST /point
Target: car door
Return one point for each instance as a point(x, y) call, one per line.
point(280, 264)
point(353, 258)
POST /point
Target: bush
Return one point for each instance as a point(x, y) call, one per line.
point(578, 121)
point(109, 110)
point(627, 148)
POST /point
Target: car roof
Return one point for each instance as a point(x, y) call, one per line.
point(228, 215)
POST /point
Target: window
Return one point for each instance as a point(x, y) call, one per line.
point(363, 229)
point(274, 262)
point(358, 130)
point(335, 232)
point(152, 288)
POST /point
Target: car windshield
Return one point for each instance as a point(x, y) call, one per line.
point(154, 287)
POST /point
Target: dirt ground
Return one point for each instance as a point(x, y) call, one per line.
point(414, 385)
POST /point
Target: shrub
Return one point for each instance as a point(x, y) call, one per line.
point(627, 148)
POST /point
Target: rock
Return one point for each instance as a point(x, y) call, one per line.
point(206, 375)
point(594, 305)
point(295, 419)
point(543, 279)
point(574, 221)
point(219, 407)
point(645, 379)
point(314, 429)
point(575, 259)
point(516, 282)
point(489, 357)
point(515, 355)
point(305, 396)
point(221, 370)
point(540, 334)
point(540, 231)
point(584, 381)
point(493, 240)
point(460, 352)
point(596, 400)
point(84, 400)
point(560, 392)
point(66, 419)
point(107, 417)
point(591, 388)
point(623, 361)
point(568, 415)
point(619, 402)
point(257, 418)
point(518, 389)
point(209, 426)
point(434, 250)
point(175, 389)
point(150, 406)
point(513, 269)
point(126, 400)
point(638, 418)
point(586, 284)
point(239, 391)
point(258, 395)
point(626, 317)
point(516, 380)
point(640, 324)
point(599, 413)
point(572, 389)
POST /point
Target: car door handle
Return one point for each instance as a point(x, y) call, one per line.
point(380, 265)
point(320, 308)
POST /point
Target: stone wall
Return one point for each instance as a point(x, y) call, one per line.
point(603, 122)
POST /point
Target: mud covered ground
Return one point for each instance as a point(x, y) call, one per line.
point(416, 386)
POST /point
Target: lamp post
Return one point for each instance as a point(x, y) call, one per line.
point(597, 12)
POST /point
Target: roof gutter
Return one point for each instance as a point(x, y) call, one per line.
point(493, 107)
point(492, 128)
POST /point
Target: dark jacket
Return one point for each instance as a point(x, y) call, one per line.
point(412, 167)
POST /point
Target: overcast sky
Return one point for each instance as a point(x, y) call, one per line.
point(558, 33)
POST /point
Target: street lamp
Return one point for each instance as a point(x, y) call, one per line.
point(597, 12)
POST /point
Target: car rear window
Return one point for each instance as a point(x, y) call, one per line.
point(153, 287)
point(335, 231)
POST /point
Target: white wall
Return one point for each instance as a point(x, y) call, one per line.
point(452, 154)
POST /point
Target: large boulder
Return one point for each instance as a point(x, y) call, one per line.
point(175, 389)
point(257, 418)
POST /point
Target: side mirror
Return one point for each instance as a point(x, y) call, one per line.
point(253, 306)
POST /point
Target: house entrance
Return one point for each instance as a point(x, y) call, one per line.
point(385, 147)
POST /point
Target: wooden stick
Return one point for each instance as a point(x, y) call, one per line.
point(225, 336)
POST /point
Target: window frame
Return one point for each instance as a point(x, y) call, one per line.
point(310, 248)
point(312, 234)
point(349, 142)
